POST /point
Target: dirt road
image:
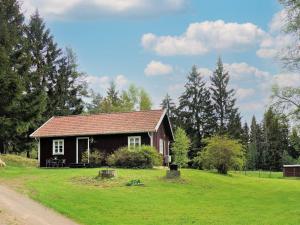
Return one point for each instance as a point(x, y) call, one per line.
point(17, 209)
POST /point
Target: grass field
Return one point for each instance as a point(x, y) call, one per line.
point(198, 198)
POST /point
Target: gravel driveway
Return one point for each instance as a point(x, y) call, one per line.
point(17, 209)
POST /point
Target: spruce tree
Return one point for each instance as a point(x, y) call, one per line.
point(11, 84)
point(44, 58)
point(169, 105)
point(275, 132)
point(223, 101)
point(196, 111)
point(70, 87)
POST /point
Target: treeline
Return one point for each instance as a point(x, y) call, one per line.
point(133, 98)
point(37, 78)
point(208, 109)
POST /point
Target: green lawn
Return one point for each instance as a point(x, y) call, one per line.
point(198, 198)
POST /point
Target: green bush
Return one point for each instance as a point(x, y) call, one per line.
point(15, 160)
point(96, 157)
point(221, 153)
point(143, 157)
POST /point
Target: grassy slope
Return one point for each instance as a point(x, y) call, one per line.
point(200, 198)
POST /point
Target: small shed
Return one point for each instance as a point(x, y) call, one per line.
point(291, 170)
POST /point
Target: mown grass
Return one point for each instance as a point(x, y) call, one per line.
point(199, 197)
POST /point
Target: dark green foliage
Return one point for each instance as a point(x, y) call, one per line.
point(196, 111)
point(169, 105)
point(69, 88)
point(37, 81)
point(275, 132)
point(227, 116)
point(11, 62)
point(143, 157)
point(294, 144)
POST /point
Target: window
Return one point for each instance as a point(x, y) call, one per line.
point(58, 147)
point(161, 146)
point(134, 141)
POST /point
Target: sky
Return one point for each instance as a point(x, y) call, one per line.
point(154, 43)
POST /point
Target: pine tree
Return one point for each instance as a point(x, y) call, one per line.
point(223, 100)
point(294, 144)
point(196, 111)
point(11, 84)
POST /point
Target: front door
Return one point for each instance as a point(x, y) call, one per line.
point(83, 150)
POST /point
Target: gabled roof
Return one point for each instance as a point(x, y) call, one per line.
point(104, 123)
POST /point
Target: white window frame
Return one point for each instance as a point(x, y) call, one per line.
point(135, 144)
point(161, 146)
point(63, 147)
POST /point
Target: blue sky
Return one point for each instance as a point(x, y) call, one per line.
point(154, 44)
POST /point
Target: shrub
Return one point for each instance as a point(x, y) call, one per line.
point(221, 153)
point(96, 157)
point(15, 160)
point(180, 147)
point(143, 157)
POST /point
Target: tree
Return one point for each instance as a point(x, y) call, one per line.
point(129, 98)
point(275, 134)
point(222, 153)
point(287, 100)
point(180, 147)
point(12, 86)
point(145, 100)
point(291, 56)
point(223, 100)
point(169, 105)
point(70, 88)
point(294, 144)
point(44, 62)
point(195, 111)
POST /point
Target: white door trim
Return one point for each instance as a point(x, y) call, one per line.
point(82, 138)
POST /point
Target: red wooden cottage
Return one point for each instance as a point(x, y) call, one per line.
point(67, 137)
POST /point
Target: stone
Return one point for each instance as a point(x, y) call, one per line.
point(171, 174)
point(107, 173)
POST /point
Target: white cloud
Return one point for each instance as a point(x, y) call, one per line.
point(276, 41)
point(243, 93)
point(101, 83)
point(239, 70)
point(155, 68)
point(205, 72)
point(121, 81)
point(278, 21)
point(82, 9)
point(287, 79)
point(201, 38)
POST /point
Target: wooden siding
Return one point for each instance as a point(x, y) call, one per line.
point(104, 143)
point(291, 171)
point(162, 133)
